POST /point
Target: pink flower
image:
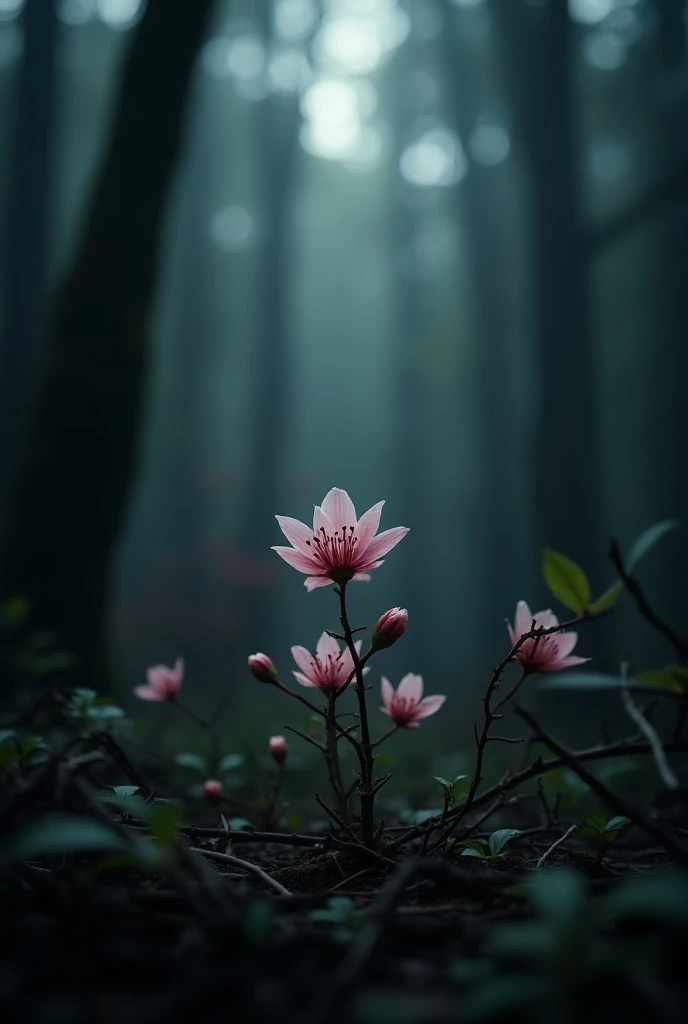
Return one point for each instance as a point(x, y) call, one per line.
point(278, 748)
point(340, 547)
point(163, 683)
point(262, 668)
point(550, 653)
point(328, 668)
point(405, 707)
point(389, 627)
point(212, 790)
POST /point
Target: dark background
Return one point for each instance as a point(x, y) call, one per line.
point(431, 252)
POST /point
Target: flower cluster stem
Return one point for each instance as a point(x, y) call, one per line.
point(366, 756)
point(332, 758)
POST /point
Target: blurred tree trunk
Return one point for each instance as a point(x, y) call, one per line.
point(278, 125)
point(536, 45)
point(72, 489)
point(482, 209)
point(25, 256)
point(673, 55)
point(413, 400)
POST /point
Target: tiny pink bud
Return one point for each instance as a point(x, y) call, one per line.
point(278, 748)
point(389, 627)
point(212, 790)
point(262, 668)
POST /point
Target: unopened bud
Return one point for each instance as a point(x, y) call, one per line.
point(388, 628)
point(278, 748)
point(212, 790)
point(262, 668)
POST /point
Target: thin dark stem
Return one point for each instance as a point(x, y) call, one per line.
point(385, 736)
point(304, 736)
point(624, 748)
point(332, 759)
point(677, 642)
point(318, 711)
point(366, 756)
point(525, 672)
point(613, 800)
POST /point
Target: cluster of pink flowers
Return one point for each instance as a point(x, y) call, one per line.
point(340, 548)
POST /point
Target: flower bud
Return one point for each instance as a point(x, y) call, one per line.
point(262, 668)
point(278, 748)
point(212, 790)
point(389, 628)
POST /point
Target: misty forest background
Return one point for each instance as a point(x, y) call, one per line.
point(431, 251)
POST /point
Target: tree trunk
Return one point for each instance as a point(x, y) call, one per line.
point(72, 489)
point(536, 46)
point(478, 201)
point(26, 240)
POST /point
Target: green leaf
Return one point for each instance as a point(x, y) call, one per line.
point(582, 681)
point(596, 821)
point(647, 540)
point(193, 761)
point(164, 821)
point(472, 844)
point(60, 833)
point(124, 792)
point(230, 761)
point(471, 852)
point(617, 823)
point(444, 783)
point(566, 580)
point(673, 678)
point(608, 599)
point(499, 839)
point(132, 806)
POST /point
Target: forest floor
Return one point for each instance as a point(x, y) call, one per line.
point(333, 935)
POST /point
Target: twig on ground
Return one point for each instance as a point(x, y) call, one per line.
point(237, 862)
point(562, 839)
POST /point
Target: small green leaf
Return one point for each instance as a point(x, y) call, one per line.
point(617, 823)
point(478, 849)
point(124, 792)
point(472, 852)
point(60, 833)
point(608, 599)
point(193, 761)
point(566, 580)
point(450, 844)
point(647, 540)
point(229, 762)
point(673, 678)
point(499, 839)
point(444, 783)
point(583, 681)
point(596, 821)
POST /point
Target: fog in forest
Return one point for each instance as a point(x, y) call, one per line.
point(429, 251)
